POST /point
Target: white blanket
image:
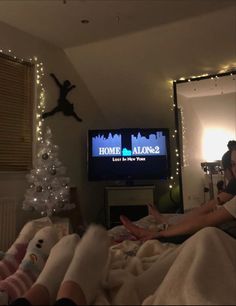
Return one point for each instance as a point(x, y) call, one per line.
point(200, 271)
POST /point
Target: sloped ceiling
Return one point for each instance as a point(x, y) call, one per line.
point(129, 49)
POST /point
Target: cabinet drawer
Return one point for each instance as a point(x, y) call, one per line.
point(130, 197)
point(134, 213)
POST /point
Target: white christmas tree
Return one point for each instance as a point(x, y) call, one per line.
point(48, 190)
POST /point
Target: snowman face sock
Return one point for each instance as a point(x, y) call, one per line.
point(89, 261)
point(58, 261)
point(14, 255)
point(32, 264)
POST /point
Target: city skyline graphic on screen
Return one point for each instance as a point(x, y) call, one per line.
point(114, 144)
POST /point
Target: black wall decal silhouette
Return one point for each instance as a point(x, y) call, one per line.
point(63, 105)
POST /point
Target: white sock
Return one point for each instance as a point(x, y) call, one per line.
point(30, 229)
point(26, 234)
point(32, 264)
point(58, 261)
point(14, 255)
point(39, 248)
point(89, 261)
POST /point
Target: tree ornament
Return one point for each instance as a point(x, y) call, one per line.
point(39, 188)
point(53, 171)
point(45, 156)
point(61, 204)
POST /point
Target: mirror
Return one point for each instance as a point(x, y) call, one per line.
point(206, 121)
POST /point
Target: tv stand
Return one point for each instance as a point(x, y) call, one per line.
point(129, 200)
point(129, 183)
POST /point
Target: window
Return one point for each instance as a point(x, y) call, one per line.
point(16, 114)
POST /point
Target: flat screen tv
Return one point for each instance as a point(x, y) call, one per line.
point(128, 154)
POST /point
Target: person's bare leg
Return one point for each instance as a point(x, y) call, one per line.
point(72, 291)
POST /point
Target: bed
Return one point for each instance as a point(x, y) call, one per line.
point(200, 271)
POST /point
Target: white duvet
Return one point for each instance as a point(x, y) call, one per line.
point(200, 271)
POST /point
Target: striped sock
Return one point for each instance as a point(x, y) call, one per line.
point(11, 261)
point(12, 258)
point(32, 264)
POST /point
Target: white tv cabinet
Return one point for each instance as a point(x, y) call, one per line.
point(127, 200)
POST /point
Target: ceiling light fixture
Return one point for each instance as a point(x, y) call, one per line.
point(85, 21)
point(118, 19)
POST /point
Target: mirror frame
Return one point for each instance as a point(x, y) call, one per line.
point(177, 118)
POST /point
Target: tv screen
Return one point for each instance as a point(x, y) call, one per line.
point(128, 154)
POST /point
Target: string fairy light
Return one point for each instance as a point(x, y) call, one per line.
point(215, 77)
point(41, 98)
point(173, 134)
point(225, 70)
point(40, 90)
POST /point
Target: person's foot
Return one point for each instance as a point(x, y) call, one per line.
point(138, 232)
point(88, 264)
point(152, 210)
point(57, 264)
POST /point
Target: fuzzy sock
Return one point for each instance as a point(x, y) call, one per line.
point(59, 259)
point(32, 264)
point(89, 261)
point(14, 255)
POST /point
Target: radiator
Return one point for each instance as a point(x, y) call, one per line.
point(8, 208)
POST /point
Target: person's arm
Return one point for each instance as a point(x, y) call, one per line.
point(190, 226)
point(224, 197)
point(211, 205)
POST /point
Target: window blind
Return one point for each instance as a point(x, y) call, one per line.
point(16, 114)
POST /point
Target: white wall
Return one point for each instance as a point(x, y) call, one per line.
point(192, 174)
point(68, 134)
point(216, 113)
